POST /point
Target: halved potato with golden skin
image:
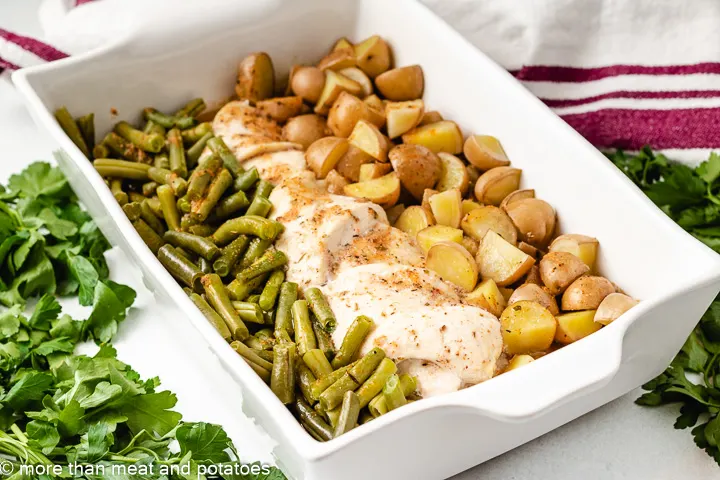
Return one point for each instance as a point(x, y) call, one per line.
point(534, 219)
point(335, 182)
point(453, 174)
point(324, 154)
point(342, 43)
point(559, 269)
point(401, 84)
point(335, 84)
point(414, 219)
point(427, 193)
point(517, 195)
point(370, 171)
point(308, 83)
point(433, 234)
point(354, 73)
point(454, 264)
point(485, 152)
point(403, 116)
point(533, 275)
point(575, 325)
point(446, 208)
point(582, 246)
point(480, 220)
point(305, 129)
point(375, 102)
point(468, 206)
point(384, 191)
point(586, 293)
point(612, 307)
point(350, 164)
point(535, 293)
point(338, 60)
point(518, 361)
point(497, 183)
point(373, 56)
point(442, 136)
point(368, 138)
point(280, 109)
point(256, 77)
point(501, 261)
point(431, 117)
point(417, 166)
point(347, 111)
point(527, 327)
point(470, 244)
point(529, 249)
point(487, 295)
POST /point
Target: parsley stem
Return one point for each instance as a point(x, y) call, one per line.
point(19, 433)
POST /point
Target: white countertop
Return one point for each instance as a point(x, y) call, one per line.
point(616, 442)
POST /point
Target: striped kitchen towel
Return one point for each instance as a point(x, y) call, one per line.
point(623, 73)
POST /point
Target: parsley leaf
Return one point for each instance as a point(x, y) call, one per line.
point(207, 442)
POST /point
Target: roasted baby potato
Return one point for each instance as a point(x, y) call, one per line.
point(497, 183)
point(373, 56)
point(586, 293)
point(338, 60)
point(446, 208)
point(529, 249)
point(574, 326)
point(350, 164)
point(431, 117)
point(487, 295)
point(468, 206)
point(335, 182)
point(454, 264)
point(256, 77)
point(324, 154)
point(375, 102)
point(501, 261)
point(280, 109)
point(480, 220)
point(414, 219)
point(305, 129)
point(427, 193)
point(537, 294)
point(342, 43)
point(370, 171)
point(360, 77)
point(433, 234)
point(401, 84)
point(582, 246)
point(384, 191)
point(442, 136)
point(368, 138)
point(534, 219)
point(418, 167)
point(308, 83)
point(533, 275)
point(518, 361)
point(612, 307)
point(403, 116)
point(453, 174)
point(394, 212)
point(559, 269)
point(485, 152)
point(335, 84)
point(347, 111)
point(527, 327)
point(517, 195)
point(470, 244)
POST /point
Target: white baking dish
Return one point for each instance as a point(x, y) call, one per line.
point(192, 50)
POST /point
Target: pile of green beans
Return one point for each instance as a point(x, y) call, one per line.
point(205, 218)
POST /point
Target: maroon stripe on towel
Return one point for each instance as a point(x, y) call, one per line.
point(572, 102)
point(5, 64)
point(548, 73)
point(80, 2)
point(42, 50)
point(661, 129)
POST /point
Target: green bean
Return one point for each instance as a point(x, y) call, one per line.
point(333, 395)
point(260, 206)
point(240, 290)
point(231, 204)
point(218, 146)
point(191, 109)
point(283, 315)
point(127, 150)
point(183, 204)
point(364, 367)
point(204, 265)
point(120, 171)
point(254, 343)
point(393, 394)
point(192, 135)
point(212, 316)
point(304, 336)
point(365, 417)
point(270, 260)
point(324, 340)
point(321, 309)
point(247, 225)
point(263, 373)
point(271, 290)
point(166, 177)
point(264, 354)
point(255, 250)
point(135, 197)
point(203, 230)
point(311, 431)
point(378, 407)
point(349, 414)
point(149, 236)
point(218, 298)
point(180, 267)
point(230, 255)
point(333, 415)
point(249, 312)
point(246, 180)
point(193, 153)
point(198, 183)
point(150, 142)
point(154, 127)
point(184, 122)
point(101, 151)
point(263, 189)
point(317, 362)
point(322, 384)
point(148, 188)
point(71, 129)
point(313, 420)
point(282, 381)
point(152, 115)
point(249, 354)
point(305, 380)
point(192, 256)
point(202, 207)
point(169, 209)
point(353, 340)
point(154, 204)
point(86, 125)
point(374, 385)
point(253, 298)
point(269, 317)
point(200, 245)
point(132, 211)
point(116, 185)
point(161, 160)
point(176, 153)
point(147, 214)
point(282, 336)
point(266, 338)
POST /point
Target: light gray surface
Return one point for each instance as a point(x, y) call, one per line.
point(617, 442)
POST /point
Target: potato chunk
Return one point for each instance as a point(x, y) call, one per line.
point(586, 293)
point(537, 294)
point(518, 361)
point(446, 208)
point(401, 84)
point(517, 195)
point(527, 327)
point(575, 325)
point(612, 307)
point(559, 269)
point(308, 83)
point(335, 84)
point(370, 171)
point(256, 77)
point(350, 164)
point(485, 152)
point(414, 219)
point(384, 191)
point(368, 138)
point(582, 246)
point(487, 295)
point(305, 129)
point(403, 116)
point(444, 136)
point(501, 261)
point(482, 219)
point(496, 184)
point(534, 219)
point(347, 111)
point(454, 264)
point(361, 78)
point(453, 174)
point(324, 154)
point(417, 166)
point(433, 234)
point(373, 56)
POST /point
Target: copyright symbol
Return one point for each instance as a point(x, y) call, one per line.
point(6, 468)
